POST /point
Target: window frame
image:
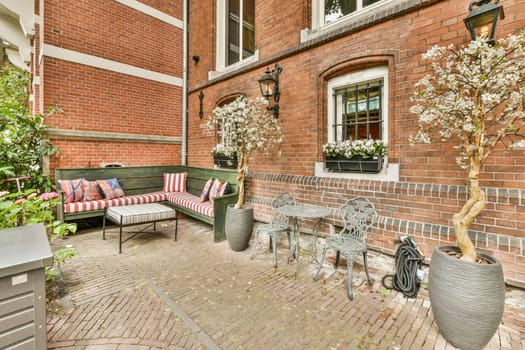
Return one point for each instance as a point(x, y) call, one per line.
point(221, 43)
point(390, 171)
point(352, 79)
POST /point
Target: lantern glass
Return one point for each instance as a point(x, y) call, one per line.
point(267, 85)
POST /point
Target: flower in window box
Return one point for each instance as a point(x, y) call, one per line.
point(349, 148)
point(222, 150)
point(364, 156)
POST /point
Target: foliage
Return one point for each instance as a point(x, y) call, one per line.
point(349, 148)
point(475, 96)
point(22, 142)
point(26, 208)
point(244, 125)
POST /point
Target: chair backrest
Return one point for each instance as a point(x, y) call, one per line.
point(284, 198)
point(357, 216)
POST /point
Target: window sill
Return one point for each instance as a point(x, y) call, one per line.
point(367, 15)
point(234, 67)
point(390, 172)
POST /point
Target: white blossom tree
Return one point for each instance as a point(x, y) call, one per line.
point(475, 96)
point(246, 126)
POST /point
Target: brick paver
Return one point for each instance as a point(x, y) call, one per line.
point(196, 294)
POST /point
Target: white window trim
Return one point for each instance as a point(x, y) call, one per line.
point(390, 172)
point(220, 39)
point(320, 28)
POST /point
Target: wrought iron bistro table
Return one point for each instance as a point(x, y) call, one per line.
point(299, 211)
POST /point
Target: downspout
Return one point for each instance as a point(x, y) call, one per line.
point(184, 150)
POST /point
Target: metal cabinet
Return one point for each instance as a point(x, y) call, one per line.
point(24, 254)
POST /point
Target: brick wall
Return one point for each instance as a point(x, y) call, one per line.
point(112, 70)
point(430, 188)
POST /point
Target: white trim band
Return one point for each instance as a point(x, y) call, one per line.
point(113, 66)
point(150, 11)
point(85, 135)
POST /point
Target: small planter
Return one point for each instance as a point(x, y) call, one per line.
point(225, 162)
point(355, 164)
point(238, 227)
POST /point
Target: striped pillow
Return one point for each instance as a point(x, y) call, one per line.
point(175, 182)
point(205, 194)
point(111, 188)
point(72, 190)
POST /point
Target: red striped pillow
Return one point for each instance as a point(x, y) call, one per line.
point(175, 182)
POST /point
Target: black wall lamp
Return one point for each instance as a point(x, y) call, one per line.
point(481, 21)
point(269, 84)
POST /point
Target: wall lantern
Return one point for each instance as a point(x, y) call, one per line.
point(481, 21)
point(269, 84)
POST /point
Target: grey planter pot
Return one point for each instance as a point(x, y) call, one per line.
point(238, 227)
point(467, 299)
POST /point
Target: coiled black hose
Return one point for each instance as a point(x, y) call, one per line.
point(408, 261)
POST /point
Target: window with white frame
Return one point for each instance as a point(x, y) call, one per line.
point(357, 106)
point(328, 11)
point(235, 31)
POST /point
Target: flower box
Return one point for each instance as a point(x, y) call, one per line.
point(225, 162)
point(355, 164)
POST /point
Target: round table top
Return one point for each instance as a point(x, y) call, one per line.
point(303, 211)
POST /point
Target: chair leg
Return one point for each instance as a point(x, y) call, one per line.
point(337, 256)
point(316, 276)
point(255, 244)
point(274, 248)
point(365, 262)
point(350, 267)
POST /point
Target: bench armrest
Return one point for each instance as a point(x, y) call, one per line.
point(219, 212)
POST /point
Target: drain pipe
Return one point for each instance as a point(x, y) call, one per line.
point(184, 148)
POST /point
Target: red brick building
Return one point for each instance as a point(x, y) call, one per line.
point(378, 43)
point(122, 74)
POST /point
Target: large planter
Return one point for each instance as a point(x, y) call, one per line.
point(238, 227)
point(225, 162)
point(467, 299)
point(355, 164)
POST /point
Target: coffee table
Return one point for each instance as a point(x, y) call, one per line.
point(128, 215)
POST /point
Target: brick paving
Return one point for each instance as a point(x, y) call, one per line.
point(197, 294)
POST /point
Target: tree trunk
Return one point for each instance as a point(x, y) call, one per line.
point(242, 169)
point(462, 220)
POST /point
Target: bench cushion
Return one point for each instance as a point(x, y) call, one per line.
point(138, 199)
point(192, 202)
point(78, 207)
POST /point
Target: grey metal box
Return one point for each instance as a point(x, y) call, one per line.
point(24, 254)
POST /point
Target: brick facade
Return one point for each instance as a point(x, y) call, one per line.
point(430, 187)
point(114, 70)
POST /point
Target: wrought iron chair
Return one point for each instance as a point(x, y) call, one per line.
point(279, 224)
point(357, 216)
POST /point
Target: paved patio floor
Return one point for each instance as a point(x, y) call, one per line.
point(197, 294)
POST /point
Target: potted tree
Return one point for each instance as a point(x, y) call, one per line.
point(474, 97)
point(245, 126)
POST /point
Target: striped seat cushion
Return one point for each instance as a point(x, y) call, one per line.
point(140, 213)
point(138, 199)
point(78, 207)
point(192, 202)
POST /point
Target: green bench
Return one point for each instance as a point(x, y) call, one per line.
point(145, 180)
